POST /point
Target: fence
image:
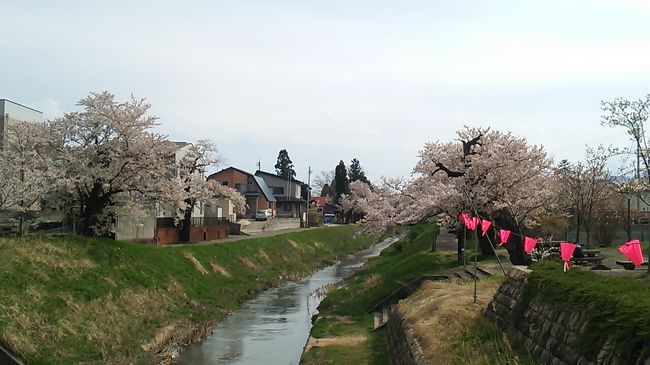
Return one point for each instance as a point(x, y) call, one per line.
point(208, 221)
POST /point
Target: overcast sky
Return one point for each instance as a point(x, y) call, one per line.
point(334, 80)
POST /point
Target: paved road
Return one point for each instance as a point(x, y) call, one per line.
point(244, 237)
point(446, 241)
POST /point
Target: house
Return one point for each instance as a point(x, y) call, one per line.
point(323, 206)
point(288, 194)
point(14, 112)
point(156, 221)
point(257, 193)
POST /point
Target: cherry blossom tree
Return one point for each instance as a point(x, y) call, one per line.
point(110, 158)
point(355, 204)
point(381, 205)
point(26, 171)
point(188, 188)
point(497, 175)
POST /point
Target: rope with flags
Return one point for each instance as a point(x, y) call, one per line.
point(632, 249)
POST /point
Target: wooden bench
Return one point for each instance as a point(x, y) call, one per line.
point(591, 253)
point(628, 265)
point(595, 260)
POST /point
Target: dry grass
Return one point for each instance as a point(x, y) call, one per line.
point(219, 269)
point(332, 341)
point(264, 255)
point(161, 338)
point(370, 282)
point(295, 245)
point(196, 263)
point(249, 264)
point(114, 319)
point(440, 312)
point(51, 256)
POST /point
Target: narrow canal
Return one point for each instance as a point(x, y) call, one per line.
point(273, 327)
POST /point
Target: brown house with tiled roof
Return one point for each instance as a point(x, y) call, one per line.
point(253, 188)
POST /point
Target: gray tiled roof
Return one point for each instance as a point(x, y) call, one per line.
point(265, 189)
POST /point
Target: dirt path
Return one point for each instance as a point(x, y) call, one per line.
point(446, 241)
point(330, 341)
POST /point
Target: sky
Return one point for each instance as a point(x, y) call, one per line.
point(338, 79)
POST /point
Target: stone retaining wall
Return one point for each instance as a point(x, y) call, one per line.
point(547, 333)
point(403, 347)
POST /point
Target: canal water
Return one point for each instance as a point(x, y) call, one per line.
point(273, 327)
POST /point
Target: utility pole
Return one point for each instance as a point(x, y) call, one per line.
point(638, 174)
point(308, 197)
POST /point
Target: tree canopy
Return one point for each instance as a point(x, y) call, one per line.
point(284, 166)
point(341, 182)
point(497, 175)
point(356, 173)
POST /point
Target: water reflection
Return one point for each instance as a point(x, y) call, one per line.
point(273, 327)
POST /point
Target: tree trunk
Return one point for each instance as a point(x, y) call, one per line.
point(460, 236)
point(515, 244)
point(487, 249)
point(93, 206)
point(516, 251)
point(186, 224)
point(578, 223)
point(433, 241)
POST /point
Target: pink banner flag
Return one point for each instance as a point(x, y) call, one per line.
point(472, 223)
point(485, 225)
point(566, 250)
point(468, 222)
point(504, 234)
point(632, 250)
point(529, 244)
point(463, 218)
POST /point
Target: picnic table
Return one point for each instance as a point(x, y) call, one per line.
point(591, 253)
point(595, 260)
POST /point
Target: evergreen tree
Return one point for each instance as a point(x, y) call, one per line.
point(326, 190)
point(305, 192)
point(284, 166)
point(341, 182)
point(356, 172)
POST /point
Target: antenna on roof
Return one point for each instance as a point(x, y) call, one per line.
point(259, 165)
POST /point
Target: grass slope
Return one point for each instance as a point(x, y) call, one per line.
point(75, 300)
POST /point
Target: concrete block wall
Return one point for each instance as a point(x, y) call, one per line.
point(403, 346)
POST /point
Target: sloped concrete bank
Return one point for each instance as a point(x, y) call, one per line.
point(551, 334)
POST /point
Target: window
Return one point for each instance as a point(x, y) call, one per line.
point(238, 186)
point(287, 206)
point(278, 190)
point(224, 183)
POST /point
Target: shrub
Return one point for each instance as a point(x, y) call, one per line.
point(315, 219)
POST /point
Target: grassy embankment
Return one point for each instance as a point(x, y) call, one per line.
point(72, 300)
point(343, 334)
point(617, 307)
